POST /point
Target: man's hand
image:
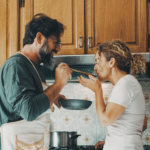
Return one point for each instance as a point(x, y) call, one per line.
point(59, 97)
point(62, 74)
point(99, 144)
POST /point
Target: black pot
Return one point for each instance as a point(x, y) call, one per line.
point(63, 139)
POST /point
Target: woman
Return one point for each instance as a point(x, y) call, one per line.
point(125, 111)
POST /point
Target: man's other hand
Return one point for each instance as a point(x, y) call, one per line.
point(59, 97)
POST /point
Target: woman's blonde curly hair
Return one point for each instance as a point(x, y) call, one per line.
point(132, 64)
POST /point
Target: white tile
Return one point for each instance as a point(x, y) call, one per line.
point(88, 137)
point(147, 107)
point(146, 93)
point(70, 86)
point(80, 87)
point(53, 121)
point(92, 109)
point(86, 95)
point(147, 115)
point(145, 83)
point(69, 94)
point(98, 125)
point(62, 111)
point(101, 134)
point(146, 137)
point(86, 121)
point(66, 120)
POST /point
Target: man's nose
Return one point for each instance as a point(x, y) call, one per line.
point(58, 48)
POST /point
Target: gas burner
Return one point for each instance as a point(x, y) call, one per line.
point(89, 147)
point(80, 147)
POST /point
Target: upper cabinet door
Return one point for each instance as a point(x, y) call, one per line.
point(68, 12)
point(2, 31)
point(9, 17)
point(119, 19)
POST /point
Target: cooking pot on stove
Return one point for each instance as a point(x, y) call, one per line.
point(63, 139)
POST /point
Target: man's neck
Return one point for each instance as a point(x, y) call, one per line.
point(31, 54)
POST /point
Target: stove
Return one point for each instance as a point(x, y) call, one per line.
point(89, 147)
point(80, 147)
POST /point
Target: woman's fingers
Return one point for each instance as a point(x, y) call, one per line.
point(92, 78)
point(81, 81)
point(84, 79)
point(95, 80)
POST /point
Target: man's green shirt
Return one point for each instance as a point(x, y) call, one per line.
point(21, 90)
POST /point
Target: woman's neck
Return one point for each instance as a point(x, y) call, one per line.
point(116, 76)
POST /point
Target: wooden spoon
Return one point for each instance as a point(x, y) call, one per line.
point(85, 73)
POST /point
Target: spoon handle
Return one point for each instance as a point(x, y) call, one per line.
point(85, 73)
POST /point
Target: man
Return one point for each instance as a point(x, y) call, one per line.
point(21, 94)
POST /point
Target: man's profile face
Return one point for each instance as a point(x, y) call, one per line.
point(46, 52)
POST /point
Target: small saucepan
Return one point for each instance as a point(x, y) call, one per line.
point(59, 139)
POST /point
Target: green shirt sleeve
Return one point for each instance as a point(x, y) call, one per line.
point(21, 92)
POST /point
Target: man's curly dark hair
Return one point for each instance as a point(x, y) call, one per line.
point(43, 24)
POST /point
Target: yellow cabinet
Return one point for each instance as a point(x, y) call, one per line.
point(88, 23)
point(2, 31)
point(68, 12)
point(117, 19)
point(9, 28)
point(95, 21)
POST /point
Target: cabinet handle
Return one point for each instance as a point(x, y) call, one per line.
point(80, 42)
point(89, 43)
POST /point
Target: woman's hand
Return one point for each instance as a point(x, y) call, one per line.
point(99, 144)
point(59, 97)
point(93, 83)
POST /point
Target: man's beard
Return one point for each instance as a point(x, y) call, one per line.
point(46, 57)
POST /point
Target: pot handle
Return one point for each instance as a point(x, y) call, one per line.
point(74, 136)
